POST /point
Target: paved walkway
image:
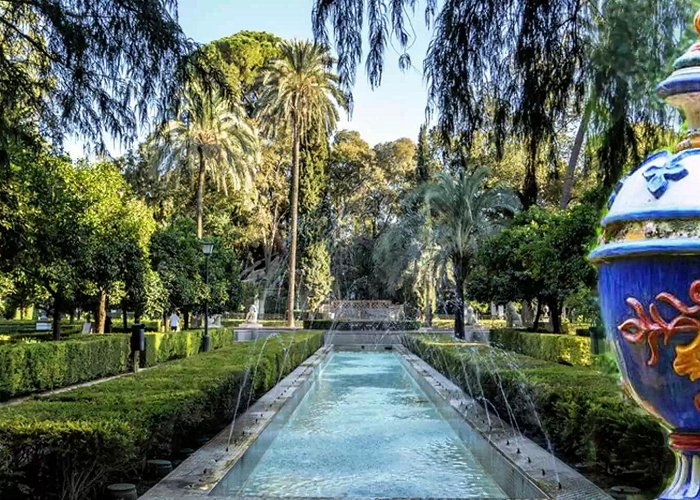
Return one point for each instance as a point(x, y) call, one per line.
point(35, 395)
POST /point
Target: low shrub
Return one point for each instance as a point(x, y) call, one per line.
point(71, 444)
point(40, 366)
point(580, 411)
point(361, 325)
point(28, 367)
point(164, 346)
point(565, 349)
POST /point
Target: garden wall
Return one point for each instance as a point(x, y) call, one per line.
point(26, 368)
point(361, 325)
point(565, 349)
point(582, 413)
point(70, 445)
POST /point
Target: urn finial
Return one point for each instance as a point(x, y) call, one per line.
point(682, 90)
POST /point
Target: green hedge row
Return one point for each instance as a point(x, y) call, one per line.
point(72, 444)
point(28, 368)
point(565, 349)
point(162, 347)
point(582, 412)
point(361, 325)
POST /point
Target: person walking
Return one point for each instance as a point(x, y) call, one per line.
point(174, 321)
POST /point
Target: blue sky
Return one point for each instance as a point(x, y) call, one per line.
point(396, 109)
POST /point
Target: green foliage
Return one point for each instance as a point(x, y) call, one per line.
point(361, 325)
point(210, 142)
point(27, 368)
point(243, 57)
point(541, 255)
point(316, 274)
point(63, 66)
point(71, 445)
point(580, 411)
point(75, 232)
point(564, 349)
point(166, 346)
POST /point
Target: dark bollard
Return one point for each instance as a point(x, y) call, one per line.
point(138, 344)
point(122, 491)
point(206, 343)
point(158, 469)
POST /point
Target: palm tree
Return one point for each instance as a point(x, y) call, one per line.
point(300, 95)
point(465, 211)
point(212, 138)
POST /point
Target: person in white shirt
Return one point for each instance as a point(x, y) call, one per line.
point(174, 321)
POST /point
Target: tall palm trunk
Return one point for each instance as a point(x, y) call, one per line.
point(459, 269)
point(201, 174)
point(293, 230)
point(570, 176)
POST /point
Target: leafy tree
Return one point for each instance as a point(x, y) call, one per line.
point(211, 139)
point(75, 230)
point(517, 67)
point(542, 256)
point(464, 211)
point(64, 63)
point(316, 275)
point(243, 57)
point(300, 96)
point(176, 255)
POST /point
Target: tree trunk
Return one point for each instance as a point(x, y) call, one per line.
point(187, 320)
point(459, 298)
point(428, 303)
point(294, 208)
point(56, 323)
point(538, 314)
point(125, 319)
point(555, 315)
point(527, 315)
point(570, 176)
point(101, 312)
point(263, 300)
point(201, 176)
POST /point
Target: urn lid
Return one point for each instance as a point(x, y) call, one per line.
point(655, 209)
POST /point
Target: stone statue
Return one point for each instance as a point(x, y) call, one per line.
point(252, 316)
point(470, 316)
point(513, 319)
point(251, 319)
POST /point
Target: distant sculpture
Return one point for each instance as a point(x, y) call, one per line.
point(513, 319)
point(470, 318)
point(252, 316)
point(251, 319)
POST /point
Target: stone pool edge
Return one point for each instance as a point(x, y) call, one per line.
point(199, 474)
point(555, 478)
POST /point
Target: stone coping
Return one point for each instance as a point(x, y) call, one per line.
point(197, 476)
point(555, 478)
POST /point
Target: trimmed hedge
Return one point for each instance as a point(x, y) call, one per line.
point(27, 368)
point(162, 347)
point(361, 325)
point(41, 366)
point(565, 349)
point(72, 444)
point(582, 412)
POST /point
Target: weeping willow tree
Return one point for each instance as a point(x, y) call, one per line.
point(91, 68)
point(515, 68)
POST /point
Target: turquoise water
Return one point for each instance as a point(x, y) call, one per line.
point(364, 429)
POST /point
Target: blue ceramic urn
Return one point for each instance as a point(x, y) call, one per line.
point(649, 280)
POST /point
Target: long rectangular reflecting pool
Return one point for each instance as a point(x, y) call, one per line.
point(365, 428)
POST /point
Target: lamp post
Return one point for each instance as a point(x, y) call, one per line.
point(207, 250)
